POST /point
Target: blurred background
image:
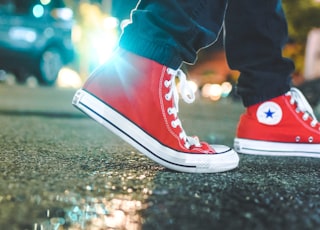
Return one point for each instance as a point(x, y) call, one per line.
point(58, 43)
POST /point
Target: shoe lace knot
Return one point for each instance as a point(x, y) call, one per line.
point(302, 106)
point(187, 95)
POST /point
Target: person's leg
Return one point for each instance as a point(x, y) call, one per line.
point(172, 32)
point(256, 31)
point(278, 120)
point(134, 93)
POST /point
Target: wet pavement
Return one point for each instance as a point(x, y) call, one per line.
point(61, 170)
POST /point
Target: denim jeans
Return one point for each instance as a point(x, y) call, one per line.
point(255, 31)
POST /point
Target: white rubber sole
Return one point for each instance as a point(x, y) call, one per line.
point(225, 159)
point(254, 147)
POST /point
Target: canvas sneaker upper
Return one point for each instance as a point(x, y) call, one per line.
point(286, 124)
point(137, 98)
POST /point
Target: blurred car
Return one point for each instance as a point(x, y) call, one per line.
point(35, 38)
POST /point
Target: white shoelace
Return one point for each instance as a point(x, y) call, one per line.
point(302, 105)
point(187, 95)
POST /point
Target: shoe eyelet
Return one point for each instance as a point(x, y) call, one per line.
point(166, 83)
point(169, 111)
point(297, 139)
point(310, 139)
point(173, 124)
point(167, 97)
point(305, 117)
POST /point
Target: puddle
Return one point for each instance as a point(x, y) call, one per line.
point(93, 214)
point(109, 200)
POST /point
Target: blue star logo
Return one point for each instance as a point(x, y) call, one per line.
point(269, 113)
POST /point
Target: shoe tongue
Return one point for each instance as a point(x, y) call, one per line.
point(205, 148)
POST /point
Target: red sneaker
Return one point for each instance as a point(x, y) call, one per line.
point(283, 126)
point(136, 99)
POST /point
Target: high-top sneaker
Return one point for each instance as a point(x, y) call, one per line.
point(282, 126)
point(136, 98)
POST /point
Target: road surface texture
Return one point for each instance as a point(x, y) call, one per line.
point(61, 170)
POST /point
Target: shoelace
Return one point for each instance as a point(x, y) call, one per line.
point(302, 105)
point(187, 95)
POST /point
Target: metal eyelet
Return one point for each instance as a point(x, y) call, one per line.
point(167, 83)
point(173, 124)
point(305, 117)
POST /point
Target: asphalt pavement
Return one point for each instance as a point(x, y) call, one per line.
point(61, 170)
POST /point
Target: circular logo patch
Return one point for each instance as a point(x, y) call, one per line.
point(269, 113)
